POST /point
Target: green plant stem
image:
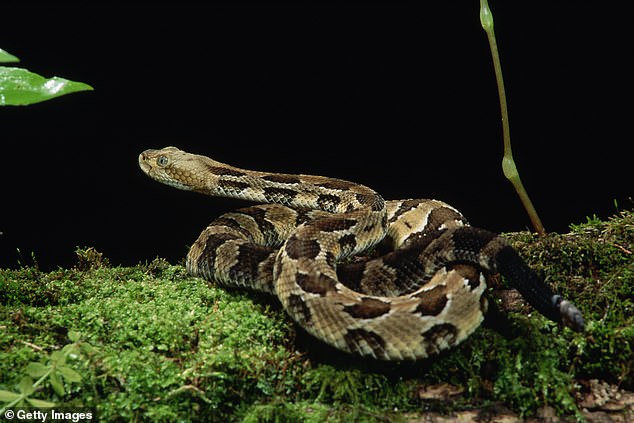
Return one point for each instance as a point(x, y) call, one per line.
point(35, 384)
point(25, 396)
point(508, 163)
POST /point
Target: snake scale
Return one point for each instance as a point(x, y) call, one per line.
point(420, 294)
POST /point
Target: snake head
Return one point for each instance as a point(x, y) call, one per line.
point(174, 167)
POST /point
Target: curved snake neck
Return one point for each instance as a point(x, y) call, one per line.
point(422, 295)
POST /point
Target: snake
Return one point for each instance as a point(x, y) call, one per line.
point(391, 280)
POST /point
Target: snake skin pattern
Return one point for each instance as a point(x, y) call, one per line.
point(421, 293)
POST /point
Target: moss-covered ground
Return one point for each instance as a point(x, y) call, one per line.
point(150, 343)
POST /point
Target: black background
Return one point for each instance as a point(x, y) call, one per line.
point(401, 98)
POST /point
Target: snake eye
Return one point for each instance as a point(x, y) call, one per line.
point(162, 161)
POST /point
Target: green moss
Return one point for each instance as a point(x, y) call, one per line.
point(170, 347)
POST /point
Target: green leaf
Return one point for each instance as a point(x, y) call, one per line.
point(73, 335)
point(40, 403)
point(8, 396)
point(85, 347)
point(26, 386)
point(69, 374)
point(68, 349)
point(6, 57)
point(36, 369)
point(58, 358)
point(19, 87)
point(57, 385)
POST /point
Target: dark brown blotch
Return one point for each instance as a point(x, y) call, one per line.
point(433, 301)
point(208, 246)
point(216, 240)
point(328, 202)
point(282, 178)
point(442, 215)
point(332, 224)
point(224, 171)
point(232, 186)
point(410, 204)
point(468, 272)
point(438, 333)
point(368, 308)
point(356, 339)
point(266, 228)
point(279, 195)
point(351, 275)
point(297, 247)
point(247, 267)
point(347, 243)
point(319, 285)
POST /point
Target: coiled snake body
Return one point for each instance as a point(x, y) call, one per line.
point(422, 295)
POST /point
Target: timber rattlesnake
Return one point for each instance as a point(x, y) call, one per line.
point(422, 295)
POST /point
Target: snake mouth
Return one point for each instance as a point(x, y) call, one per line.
point(145, 166)
point(142, 160)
